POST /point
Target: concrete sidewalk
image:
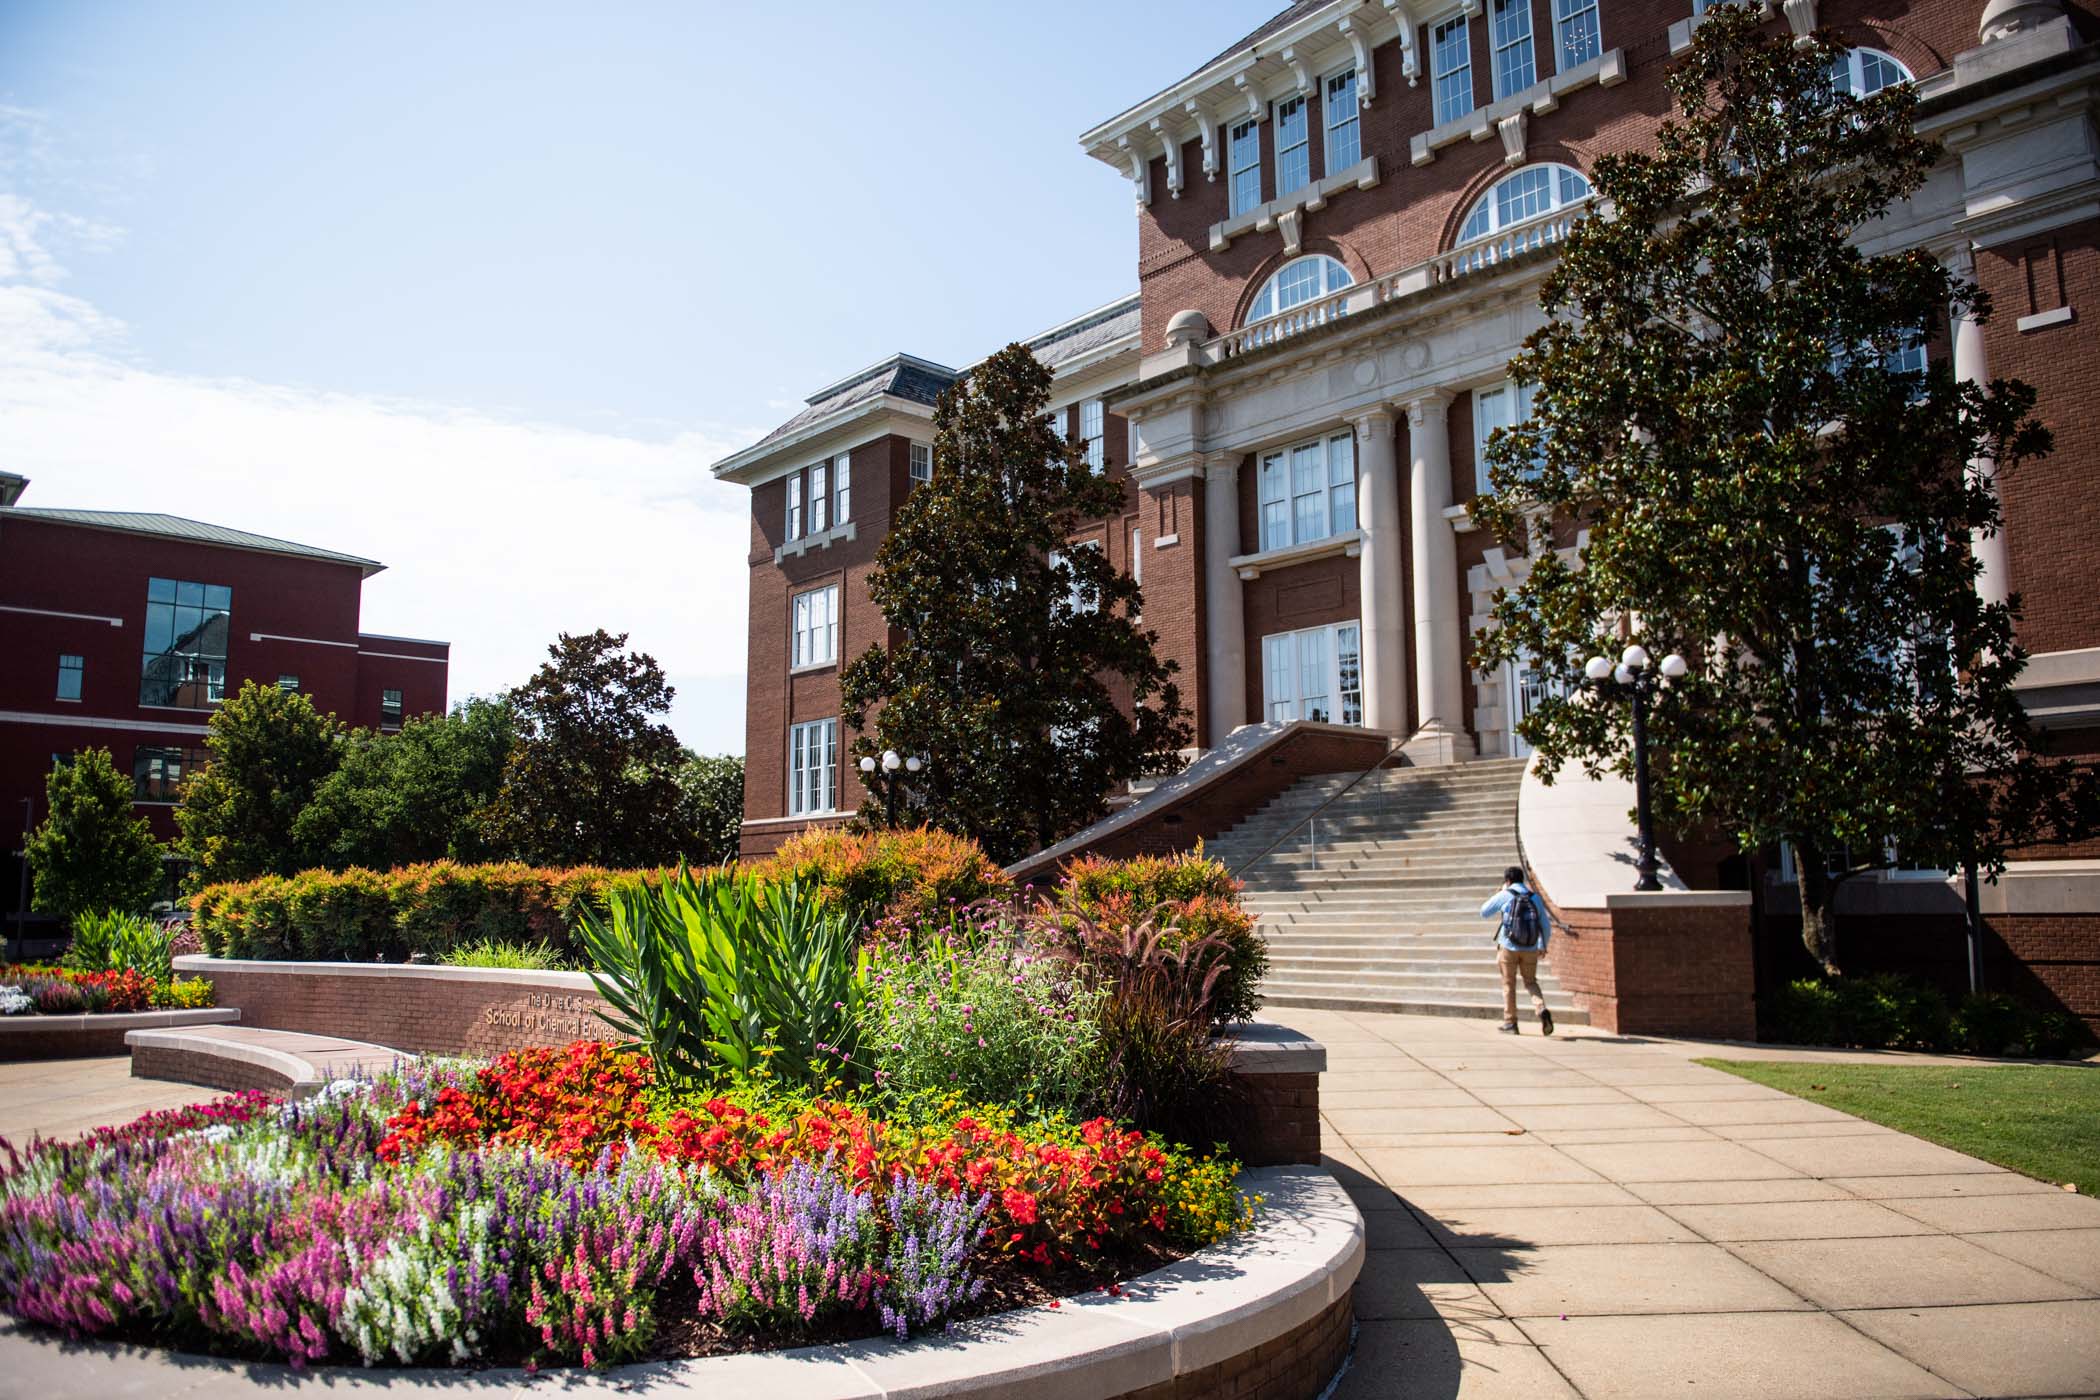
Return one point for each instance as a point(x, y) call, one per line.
point(65, 1098)
point(1586, 1216)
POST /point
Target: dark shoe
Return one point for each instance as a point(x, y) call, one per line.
point(1509, 1027)
point(1545, 1023)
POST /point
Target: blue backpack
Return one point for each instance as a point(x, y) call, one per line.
point(1520, 922)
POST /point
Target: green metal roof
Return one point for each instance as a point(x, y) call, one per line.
point(175, 527)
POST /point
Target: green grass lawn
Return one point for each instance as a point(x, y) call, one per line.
point(2042, 1120)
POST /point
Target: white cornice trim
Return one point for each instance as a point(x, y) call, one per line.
point(53, 612)
point(304, 641)
point(404, 656)
point(96, 722)
point(1253, 566)
point(757, 465)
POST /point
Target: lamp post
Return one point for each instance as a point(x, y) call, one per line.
point(893, 768)
point(1634, 677)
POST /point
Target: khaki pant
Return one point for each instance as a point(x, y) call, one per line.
point(1510, 964)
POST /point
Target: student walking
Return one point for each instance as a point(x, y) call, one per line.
point(1521, 936)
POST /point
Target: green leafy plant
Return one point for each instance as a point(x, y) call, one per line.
point(92, 852)
point(118, 942)
point(183, 994)
point(724, 972)
point(980, 1014)
point(496, 952)
point(270, 750)
point(1990, 1023)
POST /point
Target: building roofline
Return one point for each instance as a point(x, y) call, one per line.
point(252, 544)
point(888, 362)
point(412, 641)
point(830, 422)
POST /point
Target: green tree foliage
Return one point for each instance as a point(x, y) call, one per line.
point(270, 751)
point(91, 855)
point(1768, 493)
point(592, 779)
point(713, 789)
point(411, 796)
point(1010, 643)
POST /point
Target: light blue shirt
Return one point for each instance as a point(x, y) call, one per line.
point(1501, 901)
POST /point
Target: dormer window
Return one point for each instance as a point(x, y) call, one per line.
point(1295, 283)
point(1532, 191)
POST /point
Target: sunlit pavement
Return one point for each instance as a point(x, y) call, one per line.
point(1592, 1216)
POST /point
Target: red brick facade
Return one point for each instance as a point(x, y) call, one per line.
point(70, 589)
point(1661, 970)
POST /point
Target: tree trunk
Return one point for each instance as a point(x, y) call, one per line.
point(1818, 927)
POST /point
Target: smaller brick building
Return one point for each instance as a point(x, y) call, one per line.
point(124, 630)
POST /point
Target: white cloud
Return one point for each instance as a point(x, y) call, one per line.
point(498, 532)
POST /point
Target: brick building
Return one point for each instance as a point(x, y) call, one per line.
point(1342, 222)
point(123, 630)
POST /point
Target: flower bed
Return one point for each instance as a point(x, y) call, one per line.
point(42, 989)
point(555, 1206)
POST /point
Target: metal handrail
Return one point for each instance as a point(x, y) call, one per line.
point(1392, 746)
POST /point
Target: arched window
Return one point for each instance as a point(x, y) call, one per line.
point(1864, 72)
point(1295, 283)
point(1534, 190)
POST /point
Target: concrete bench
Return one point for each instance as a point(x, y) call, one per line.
point(249, 1057)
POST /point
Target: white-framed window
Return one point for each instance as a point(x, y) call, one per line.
point(288, 683)
point(1243, 154)
point(819, 499)
point(1509, 27)
point(794, 520)
point(1864, 72)
point(922, 462)
point(1079, 597)
point(842, 488)
point(1530, 192)
point(1293, 146)
point(1093, 430)
point(1451, 69)
point(1577, 35)
point(1503, 405)
point(1314, 674)
point(816, 630)
point(1137, 555)
point(1299, 281)
point(1344, 134)
point(389, 707)
point(813, 762)
point(71, 670)
point(1308, 491)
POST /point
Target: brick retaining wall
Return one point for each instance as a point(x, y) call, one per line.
point(1658, 967)
point(423, 1010)
point(1295, 1366)
point(1283, 1126)
point(204, 1069)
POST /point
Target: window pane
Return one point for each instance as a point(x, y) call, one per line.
point(1451, 64)
point(183, 661)
point(1348, 664)
point(1341, 480)
point(1575, 23)
point(1344, 139)
point(189, 594)
point(160, 590)
point(1515, 69)
point(842, 489)
point(1245, 172)
point(1293, 147)
point(1275, 525)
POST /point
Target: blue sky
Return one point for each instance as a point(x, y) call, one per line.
point(481, 290)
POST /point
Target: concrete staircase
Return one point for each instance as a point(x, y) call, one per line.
point(1374, 903)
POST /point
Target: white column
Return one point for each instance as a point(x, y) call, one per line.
point(1439, 654)
point(1384, 631)
point(1994, 583)
point(1225, 688)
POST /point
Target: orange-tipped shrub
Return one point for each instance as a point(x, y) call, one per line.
point(1190, 897)
point(911, 876)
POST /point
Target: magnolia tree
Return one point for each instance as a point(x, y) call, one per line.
point(1008, 644)
point(1732, 398)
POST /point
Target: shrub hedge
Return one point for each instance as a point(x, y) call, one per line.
point(1890, 1011)
point(361, 915)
